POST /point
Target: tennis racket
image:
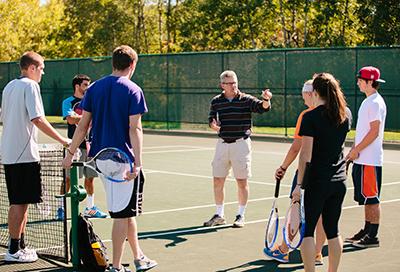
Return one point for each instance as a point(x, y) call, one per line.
point(271, 231)
point(293, 230)
point(347, 166)
point(112, 163)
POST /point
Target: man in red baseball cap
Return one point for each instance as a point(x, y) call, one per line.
point(370, 73)
point(367, 155)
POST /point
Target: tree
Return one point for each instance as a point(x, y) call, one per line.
point(27, 25)
point(380, 21)
point(225, 24)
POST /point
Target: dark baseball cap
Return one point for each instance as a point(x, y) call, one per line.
point(370, 73)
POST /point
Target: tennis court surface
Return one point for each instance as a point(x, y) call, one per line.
point(178, 198)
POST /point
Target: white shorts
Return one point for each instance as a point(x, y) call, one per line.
point(236, 155)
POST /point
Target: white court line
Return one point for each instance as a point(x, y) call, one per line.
point(227, 203)
point(210, 205)
point(391, 162)
point(163, 146)
point(177, 150)
point(202, 148)
point(229, 225)
point(232, 179)
point(209, 177)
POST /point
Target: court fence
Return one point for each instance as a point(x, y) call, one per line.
point(179, 87)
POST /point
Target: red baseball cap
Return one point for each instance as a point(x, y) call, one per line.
point(370, 73)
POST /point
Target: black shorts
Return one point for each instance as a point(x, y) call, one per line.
point(134, 208)
point(367, 180)
point(24, 183)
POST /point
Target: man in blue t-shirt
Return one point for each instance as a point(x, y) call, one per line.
point(114, 105)
point(72, 113)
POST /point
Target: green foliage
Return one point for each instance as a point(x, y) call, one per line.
point(380, 21)
point(27, 25)
point(84, 28)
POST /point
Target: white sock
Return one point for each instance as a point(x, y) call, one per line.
point(241, 210)
point(220, 210)
point(90, 201)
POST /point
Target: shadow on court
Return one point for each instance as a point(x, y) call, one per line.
point(40, 265)
point(262, 265)
point(175, 235)
point(295, 262)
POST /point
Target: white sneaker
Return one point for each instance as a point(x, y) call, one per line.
point(30, 251)
point(21, 256)
point(144, 264)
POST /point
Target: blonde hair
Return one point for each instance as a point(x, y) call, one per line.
point(308, 87)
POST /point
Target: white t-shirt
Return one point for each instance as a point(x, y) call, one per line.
point(373, 108)
point(21, 103)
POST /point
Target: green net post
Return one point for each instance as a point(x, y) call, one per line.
point(74, 216)
point(78, 193)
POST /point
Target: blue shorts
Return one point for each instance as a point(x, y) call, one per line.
point(367, 180)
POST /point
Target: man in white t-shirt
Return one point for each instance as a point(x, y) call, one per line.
point(367, 155)
point(22, 115)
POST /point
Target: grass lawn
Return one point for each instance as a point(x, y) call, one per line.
point(389, 135)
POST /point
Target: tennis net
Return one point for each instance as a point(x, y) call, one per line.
point(44, 232)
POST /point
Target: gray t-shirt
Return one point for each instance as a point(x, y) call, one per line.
point(21, 103)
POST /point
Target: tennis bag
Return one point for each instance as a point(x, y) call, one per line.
point(91, 250)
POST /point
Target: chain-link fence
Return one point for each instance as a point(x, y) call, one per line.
point(179, 87)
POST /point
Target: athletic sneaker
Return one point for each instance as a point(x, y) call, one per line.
point(29, 251)
point(239, 221)
point(356, 237)
point(215, 221)
point(94, 212)
point(60, 214)
point(123, 269)
point(21, 256)
point(318, 259)
point(144, 264)
point(277, 255)
point(366, 242)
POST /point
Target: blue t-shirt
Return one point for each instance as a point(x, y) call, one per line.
point(111, 100)
point(69, 105)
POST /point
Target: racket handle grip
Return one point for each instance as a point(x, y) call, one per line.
point(76, 163)
point(277, 185)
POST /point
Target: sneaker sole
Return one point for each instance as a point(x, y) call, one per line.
point(213, 225)
point(19, 261)
point(365, 246)
point(145, 269)
point(237, 226)
point(272, 258)
point(347, 240)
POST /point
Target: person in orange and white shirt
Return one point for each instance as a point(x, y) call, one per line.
point(281, 252)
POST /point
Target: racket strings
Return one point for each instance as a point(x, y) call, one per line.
point(113, 164)
point(293, 226)
point(272, 229)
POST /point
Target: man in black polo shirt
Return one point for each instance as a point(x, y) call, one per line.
point(230, 115)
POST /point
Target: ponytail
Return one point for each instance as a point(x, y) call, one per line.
point(329, 90)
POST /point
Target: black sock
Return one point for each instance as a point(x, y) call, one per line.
point(14, 246)
point(373, 230)
point(366, 226)
point(22, 241)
